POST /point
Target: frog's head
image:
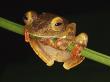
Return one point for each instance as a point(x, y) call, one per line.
point(47, 24)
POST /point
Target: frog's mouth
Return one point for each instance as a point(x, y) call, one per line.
point(53, 41)
point(44, 36)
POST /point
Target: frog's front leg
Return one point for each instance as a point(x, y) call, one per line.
point(41, 53)
point(76, 58)
point(38, 50)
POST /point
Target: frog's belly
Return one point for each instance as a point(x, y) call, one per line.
point(57, 55)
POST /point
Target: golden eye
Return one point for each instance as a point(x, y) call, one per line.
point(57, 23)
point(30, 16)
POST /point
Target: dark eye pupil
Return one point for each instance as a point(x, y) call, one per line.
point(58, 24)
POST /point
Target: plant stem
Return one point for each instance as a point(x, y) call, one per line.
point(96, 56)
point(88, 53)
point(11, 26)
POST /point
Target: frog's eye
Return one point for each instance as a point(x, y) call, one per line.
point(29, 17)
point(57, 23)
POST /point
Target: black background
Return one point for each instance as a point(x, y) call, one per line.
point(18, 62)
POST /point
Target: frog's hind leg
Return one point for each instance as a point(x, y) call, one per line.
point(36, 47)
point(76, 58)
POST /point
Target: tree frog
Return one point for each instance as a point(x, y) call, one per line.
point(53, 38)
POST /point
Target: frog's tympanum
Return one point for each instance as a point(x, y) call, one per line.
point(53, 39)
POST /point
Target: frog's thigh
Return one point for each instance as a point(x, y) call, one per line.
point(82, 39)
point(70, 63)
point(46, 58)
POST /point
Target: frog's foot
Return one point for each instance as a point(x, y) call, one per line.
point(26, 34)
point(70, 63)
point(82, 39)
point(80, 43)
point(76, 58)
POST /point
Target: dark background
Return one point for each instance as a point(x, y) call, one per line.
point(18, 62)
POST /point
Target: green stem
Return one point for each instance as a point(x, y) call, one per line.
point(88, 53)
point(96, 56)
point(11, 26)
